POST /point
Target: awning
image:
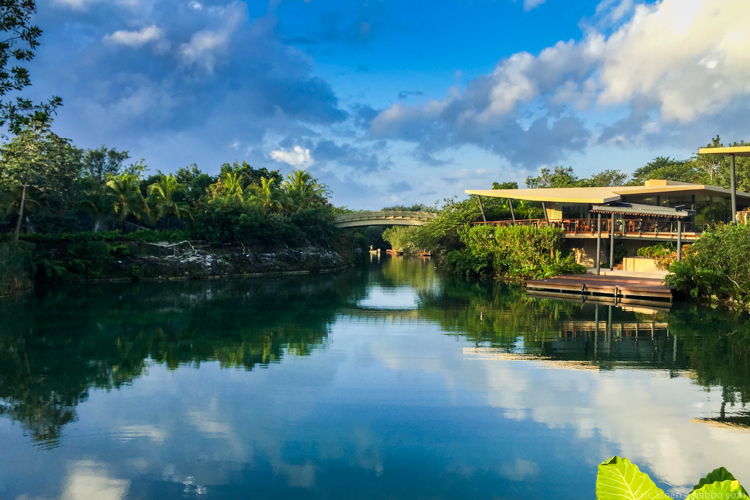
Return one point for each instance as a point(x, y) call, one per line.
point(640, 210)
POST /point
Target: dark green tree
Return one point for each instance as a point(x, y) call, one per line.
point(18, 41)
point(41, 163)
point(99, 163)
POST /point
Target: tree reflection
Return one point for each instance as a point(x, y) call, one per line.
point(54, 348)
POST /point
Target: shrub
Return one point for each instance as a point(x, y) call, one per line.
point(716, 265)
point(516, 251)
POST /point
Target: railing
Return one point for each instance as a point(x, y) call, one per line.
point(623, 227)
point(387, 214)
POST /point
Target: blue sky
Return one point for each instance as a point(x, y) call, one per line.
point(397, 102)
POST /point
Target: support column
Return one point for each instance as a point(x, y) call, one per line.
point(512, 212)
point(544, 209)
point(679, 240)
point(734, 190)
point(481, 208)
point(612, 243)
point(598, 244)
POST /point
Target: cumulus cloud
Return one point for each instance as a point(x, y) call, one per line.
point(676, 59)
point(206, 45)
point(296, 156)
point(134, 38)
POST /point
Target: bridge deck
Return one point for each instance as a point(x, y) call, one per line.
point(619, 288)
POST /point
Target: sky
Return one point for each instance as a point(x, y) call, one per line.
point(393, 102)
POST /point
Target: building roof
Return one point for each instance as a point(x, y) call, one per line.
point(601, 195)
point(734, 150)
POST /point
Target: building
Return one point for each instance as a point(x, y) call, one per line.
point(635, 216)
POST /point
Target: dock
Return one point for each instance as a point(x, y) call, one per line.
point(620, 289)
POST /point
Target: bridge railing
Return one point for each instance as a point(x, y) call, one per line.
point(357, 216)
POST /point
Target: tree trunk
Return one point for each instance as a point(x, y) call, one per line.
point(20, 212)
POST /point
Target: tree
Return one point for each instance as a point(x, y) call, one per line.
point(39, 160)
point(126, 195)
point(99, 163)
point(20, 40)
point(253, 175)
point(266, 195)
point(561, 177)
point(301, 189)
point(664, 167)
point(162, 195)
point(607, 178)
point(197, 182)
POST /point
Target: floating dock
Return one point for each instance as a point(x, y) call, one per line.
point(620, 289)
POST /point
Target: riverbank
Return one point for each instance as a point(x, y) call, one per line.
point(52, 262)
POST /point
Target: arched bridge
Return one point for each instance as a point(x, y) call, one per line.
point(385, 218)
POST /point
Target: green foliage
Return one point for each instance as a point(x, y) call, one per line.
point(521, 252)
point(716, 265)
point(100, 163)
point(619, 479)
point(416, 207)
point(163, 199)
point(19, 43)
point(400, 238)
point(564, 177)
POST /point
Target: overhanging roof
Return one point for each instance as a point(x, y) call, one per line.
point(734, 150)
point(642, 210)
point(602, 195)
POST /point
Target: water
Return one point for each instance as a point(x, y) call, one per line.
point(385, 382)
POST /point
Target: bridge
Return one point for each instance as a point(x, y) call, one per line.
point(385, 218)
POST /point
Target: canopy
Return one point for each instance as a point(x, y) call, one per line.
point(640, 210)
point(734, 150)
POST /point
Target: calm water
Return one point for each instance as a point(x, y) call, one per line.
point(383, 382)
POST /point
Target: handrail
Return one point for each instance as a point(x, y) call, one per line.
point(385, 214)
point(589, 226)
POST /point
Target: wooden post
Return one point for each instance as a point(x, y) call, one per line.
point(679, 240)
point(598, 244)
point(733, 181)
point(612, 243)
point(512, 212)
point(481, 208)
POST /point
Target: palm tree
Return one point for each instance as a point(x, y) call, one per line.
point(301, 188)
point(233, 185)
point(162, 196)
point(97, 201)
point(126, 195)
point(266, 195)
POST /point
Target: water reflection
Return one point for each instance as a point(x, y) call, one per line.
point(388, 382)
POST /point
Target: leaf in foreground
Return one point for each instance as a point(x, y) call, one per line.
point(619, 479)
point(719, 490)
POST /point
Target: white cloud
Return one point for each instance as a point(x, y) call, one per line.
point(676, 60)
point(196, 5)
point(204, 46)
point(688, 56)
point(297, 156)
point(532, 4)
point(89, 479)
point(134, 38)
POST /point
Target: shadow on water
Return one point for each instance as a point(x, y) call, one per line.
point(56, 346)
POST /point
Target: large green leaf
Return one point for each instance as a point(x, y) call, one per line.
point(720, 474)
point(719, 490)
point(619, 479)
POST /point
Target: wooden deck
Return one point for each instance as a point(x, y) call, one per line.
point(617, 288)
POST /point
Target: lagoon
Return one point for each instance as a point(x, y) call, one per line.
point(388, 381)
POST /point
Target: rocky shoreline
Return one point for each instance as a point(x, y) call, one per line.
point(190, 260)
